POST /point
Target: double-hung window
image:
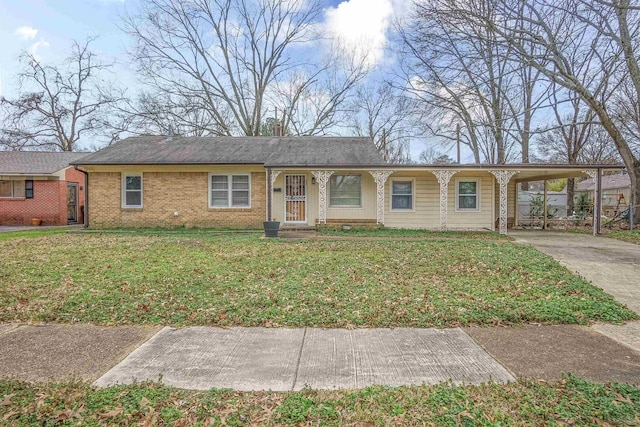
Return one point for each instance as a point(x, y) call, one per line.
point(402, 195)
point(345, 191)
point(132, 191)
point(467, 197)
point(12, 189)
point(230, 191)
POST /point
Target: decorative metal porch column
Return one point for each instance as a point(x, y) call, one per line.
point(322, 177)
point(593, 174)
point(444, 176)
point(380, 177)
point(503, 177)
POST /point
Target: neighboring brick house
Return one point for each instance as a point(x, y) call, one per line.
point(40, 185)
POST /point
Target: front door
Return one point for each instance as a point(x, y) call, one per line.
point(295, 199)
point(72, 203)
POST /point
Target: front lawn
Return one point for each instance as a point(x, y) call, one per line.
point(571, 401)
point(204, 279)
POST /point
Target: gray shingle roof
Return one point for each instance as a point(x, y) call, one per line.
point(609, 182)
point(35, 162)
point(284, 151)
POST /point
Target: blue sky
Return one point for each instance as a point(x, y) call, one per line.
point(47, 28)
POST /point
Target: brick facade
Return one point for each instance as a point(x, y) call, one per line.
point(165, 193)
point(49, 202)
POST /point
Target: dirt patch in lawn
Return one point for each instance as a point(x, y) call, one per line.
point(547, 352)
point(57, 352)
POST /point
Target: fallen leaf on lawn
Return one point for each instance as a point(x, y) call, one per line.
point(144, 402)
point(112, 413)
point(65, 415)
point(9, 415)
point(7, 399)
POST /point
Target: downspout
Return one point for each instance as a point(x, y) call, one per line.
point(86, 195)
point(269, 195)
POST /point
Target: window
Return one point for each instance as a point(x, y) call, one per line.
point(230, 191)
point(12, 189)
point(467, 195)
point(6, 189)
point(345, 191)
point(402, 195)
point(132, 191)
point(28, 189)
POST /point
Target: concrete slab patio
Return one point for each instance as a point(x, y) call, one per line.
point(291, 359)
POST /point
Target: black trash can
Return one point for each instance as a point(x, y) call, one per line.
point(271, 228)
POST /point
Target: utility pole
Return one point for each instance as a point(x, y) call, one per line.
point(384, 144)
point(458, 140)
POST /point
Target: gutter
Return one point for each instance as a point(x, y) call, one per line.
point(86, 195)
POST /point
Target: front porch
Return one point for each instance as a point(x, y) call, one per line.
point(452, 197)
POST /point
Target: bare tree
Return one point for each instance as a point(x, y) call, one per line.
point(381, 113)
point(464, 76)
point(233, 57)
point(57, 105)
point(156, 113)
point(432, 156)
point(577, 28)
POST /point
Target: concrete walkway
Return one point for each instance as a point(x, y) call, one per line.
point(293, 359)
point(13, 228)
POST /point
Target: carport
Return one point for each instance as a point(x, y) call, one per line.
point(531, 173)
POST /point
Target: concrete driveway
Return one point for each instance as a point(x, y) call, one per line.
point(608, 263)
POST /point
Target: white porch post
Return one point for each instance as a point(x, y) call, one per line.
point(444, 176)
point(380, 177)
point(322, 177)
point(593, 174)
point(503, 177)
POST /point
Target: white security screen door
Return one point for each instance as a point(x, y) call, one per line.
point(295, 198)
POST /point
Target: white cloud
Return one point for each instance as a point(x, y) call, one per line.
point(363, 25)
point(33, 50)
point(26, 33)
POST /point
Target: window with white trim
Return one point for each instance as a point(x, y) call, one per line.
point(402, 195)
point(132, 190)
point(12, 189)
point(230, 191)
point(467, 194)
point(345, 191)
